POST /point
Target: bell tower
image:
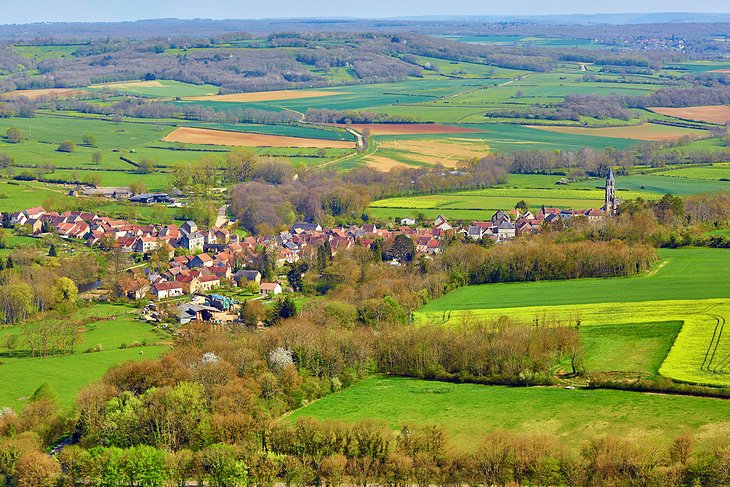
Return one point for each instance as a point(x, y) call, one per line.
point(610, 194)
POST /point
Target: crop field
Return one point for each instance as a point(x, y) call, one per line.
point(715, 172)
point(265, 96)
point(660, 184)
point(487, 201)
point(469, 412)
point(448, 152)
point(647, 131)
point(684, 287)
point(21, 375)
point(719, 114)
point(189, 135)
point(158, 88)
point(504, 137)
point(43, 92)
point(413, 129)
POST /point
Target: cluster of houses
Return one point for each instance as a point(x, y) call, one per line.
point(214, 256)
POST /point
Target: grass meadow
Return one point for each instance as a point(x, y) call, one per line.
point(469, 412)
point(21, 375)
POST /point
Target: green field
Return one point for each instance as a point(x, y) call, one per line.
point(469, 412)
point(684, 287)
point(20, 374)
point(660, 184)
point(21, 195)
point(638, 350)
point(683, 274)
point(484, 202)
point(715, 172)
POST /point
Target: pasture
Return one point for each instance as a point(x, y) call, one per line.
point(469, 412)
point(21, 374)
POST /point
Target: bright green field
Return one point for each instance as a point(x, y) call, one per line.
point(683, 274)
point(469, 412)
point(22, 195)
point(661, 184)
point(715, 172)
point(20, 374)
point(638, 350)
point(685, 287)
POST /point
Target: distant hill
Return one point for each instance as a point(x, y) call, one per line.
point(616, 19)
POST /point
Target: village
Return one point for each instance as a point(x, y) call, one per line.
point(202, 266)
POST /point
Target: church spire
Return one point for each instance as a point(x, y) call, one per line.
point(610, 206)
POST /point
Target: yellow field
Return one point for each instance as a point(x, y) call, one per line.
point(51, 92)
point(447, 152)
point(264, 96)
point(188, 135)
point(700, 354)
point(711, 114)
point(384, 164)
point(646, 131)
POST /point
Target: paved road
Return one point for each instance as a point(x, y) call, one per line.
point(222, 218)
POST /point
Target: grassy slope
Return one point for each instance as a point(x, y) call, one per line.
point(469, 412)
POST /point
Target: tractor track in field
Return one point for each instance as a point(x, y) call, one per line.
point(714, 344)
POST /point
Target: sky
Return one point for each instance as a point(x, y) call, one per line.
point(25, 11)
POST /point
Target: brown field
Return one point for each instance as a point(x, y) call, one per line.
point(384, 164)
point(130, 84)
point(411, 129)
point(447, 152)
point(264, 96)
point(189, 135)
point(711, 114)
point(646, 131)
point(720, 71)
point(51, 92)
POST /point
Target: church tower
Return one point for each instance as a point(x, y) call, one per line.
point(610, 194)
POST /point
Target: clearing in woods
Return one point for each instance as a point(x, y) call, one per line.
point(645, 131)
point(711, 114)
point(265, 96)
point(189, 135)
